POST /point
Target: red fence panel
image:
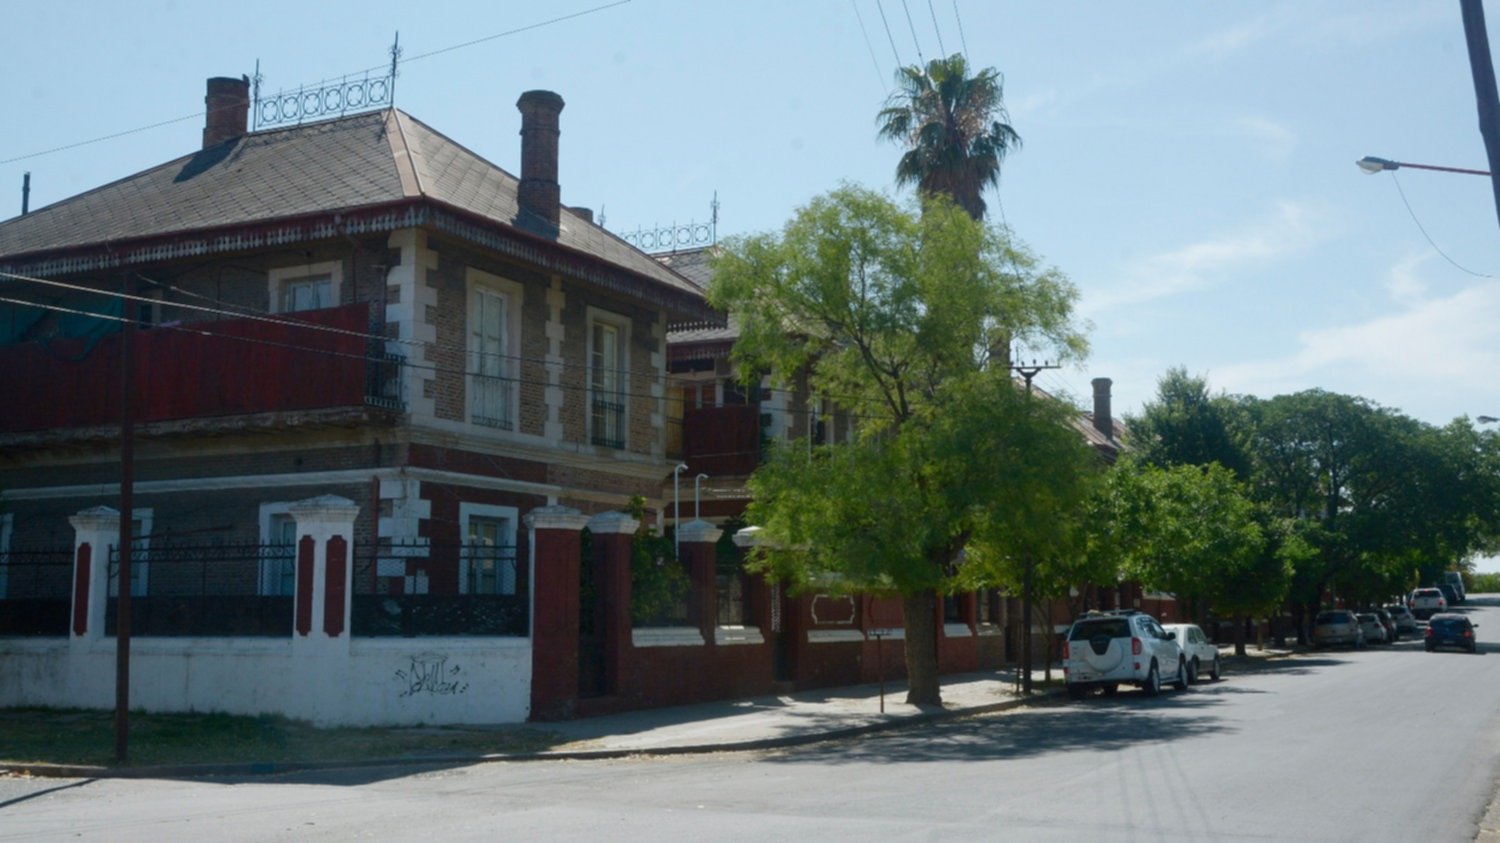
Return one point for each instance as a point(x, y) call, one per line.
point(214, 368)
point(722, 441)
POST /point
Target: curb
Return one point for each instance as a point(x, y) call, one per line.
point(271, 768)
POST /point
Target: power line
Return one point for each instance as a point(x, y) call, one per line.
point(937, 29)
point(963, 42)
point(1422, 229)
point(869, 46)
point(888, 36)
point(382, 66)
point(921, 60)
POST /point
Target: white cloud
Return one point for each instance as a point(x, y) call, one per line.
point(1445, 347)
point(1293, 227)
point(1273, 140)
point(1403, 282)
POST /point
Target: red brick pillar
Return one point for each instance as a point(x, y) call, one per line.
point(94, 532)
point(325, 527)
point(697, 542)
point(613, 532)
point(555, 567)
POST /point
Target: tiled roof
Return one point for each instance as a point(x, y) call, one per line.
point(360, 161)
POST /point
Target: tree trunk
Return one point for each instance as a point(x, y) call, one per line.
point(921, 648)
point(1239, 633)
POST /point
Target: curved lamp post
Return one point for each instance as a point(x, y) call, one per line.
point(1370, 164)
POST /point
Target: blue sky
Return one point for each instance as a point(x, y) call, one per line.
point(1190, 166)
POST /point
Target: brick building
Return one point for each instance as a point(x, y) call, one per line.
point(353, 325)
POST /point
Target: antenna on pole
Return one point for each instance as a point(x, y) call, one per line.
point(395, 59)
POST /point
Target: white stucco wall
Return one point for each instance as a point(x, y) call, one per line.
point(374, 682)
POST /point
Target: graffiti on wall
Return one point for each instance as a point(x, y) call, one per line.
point(432, 675)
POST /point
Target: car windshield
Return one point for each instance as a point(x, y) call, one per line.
point(1108, 627)
point(1367, 618)
point(1333, 617)
point(1428, 592)
point(1447, 624)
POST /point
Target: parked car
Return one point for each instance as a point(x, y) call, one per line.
point(1449, 593)
point(1106, 650)
point(1201, 654)
point(1392, 632)
point(1405, 620)
point(1372, 628)
point(1426, 602)
point(1456, 579)
point(1450, 630)
point(1337, 626)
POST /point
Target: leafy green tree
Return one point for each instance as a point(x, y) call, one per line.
point(955, 129)
point(1380, 495)
point(1194, 531)
point(891, 312)
point(1186, 425)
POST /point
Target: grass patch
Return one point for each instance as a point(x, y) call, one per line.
point(87, 737)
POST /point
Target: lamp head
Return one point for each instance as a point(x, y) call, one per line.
point(681, 467)
point(1370, 164)
point(1487, 420)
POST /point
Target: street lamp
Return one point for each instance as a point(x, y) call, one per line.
point(696, 480)
point(1370, 164)
point(677, 509)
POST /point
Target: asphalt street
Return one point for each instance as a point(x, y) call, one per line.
point(1388, 743)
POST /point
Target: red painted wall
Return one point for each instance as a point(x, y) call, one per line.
point(227, 367)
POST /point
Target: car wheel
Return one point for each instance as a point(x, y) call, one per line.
point(1193, 670)
point(1181, 682)
point(1077, 692)
point(1111, 688)
point(1214, 672)
point(1152, 685)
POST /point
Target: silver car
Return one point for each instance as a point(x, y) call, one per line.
point(1405, 620)
point(1337, 626)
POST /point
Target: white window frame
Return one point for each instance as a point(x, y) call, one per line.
point(621, 325)
point(478, 283)
point(267, 582)
point(140, 563)
point(278, 278)
point(510, 516)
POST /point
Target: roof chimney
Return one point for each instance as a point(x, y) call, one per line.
point(1102, 420)
point(228, 109)
point(539, 195)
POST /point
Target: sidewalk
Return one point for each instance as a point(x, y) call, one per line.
point(765, 722)
point(758, 723)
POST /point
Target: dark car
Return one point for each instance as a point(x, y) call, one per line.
point(1449, 592)
point(1449, 630)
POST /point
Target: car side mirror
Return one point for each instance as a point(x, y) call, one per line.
point(1171, 636)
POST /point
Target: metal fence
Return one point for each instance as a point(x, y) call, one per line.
point(213, 590)
point(414, 588)
point(35, 590)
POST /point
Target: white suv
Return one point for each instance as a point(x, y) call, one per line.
point(1105, 650)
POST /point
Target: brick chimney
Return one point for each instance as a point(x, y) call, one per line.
point(1103, 422)
point(539, 194)
point(228, 109)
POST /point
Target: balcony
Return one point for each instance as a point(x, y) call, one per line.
point(722, 441)
point(232, 367)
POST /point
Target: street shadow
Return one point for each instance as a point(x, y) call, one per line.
point(44, 792)
point(1092, 725)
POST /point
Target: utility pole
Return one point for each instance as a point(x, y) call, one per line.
point(1028, 564)
point(1485, 95)
point(127, 509)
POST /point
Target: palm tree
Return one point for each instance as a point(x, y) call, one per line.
point(954, 127)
